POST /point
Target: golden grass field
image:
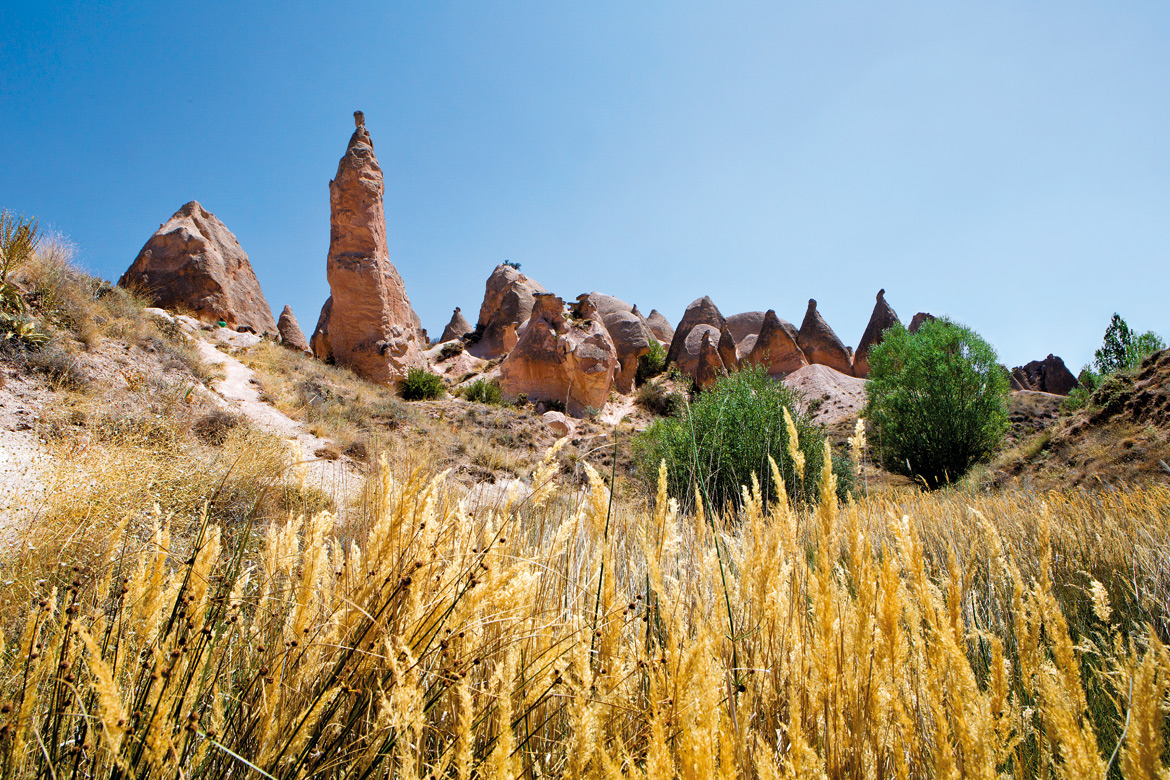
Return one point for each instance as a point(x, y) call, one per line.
point(912, 635)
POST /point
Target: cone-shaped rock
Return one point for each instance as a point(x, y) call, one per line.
point(727, 350)
point(319, 343)
point(555, 360)
point(710, 366)
point(291, 334)
point(660, 326)
point(820, 344)
point(195, 265)
point(776, 347)
point(883, 317)
point(745, 328)
point(372, 328)
point(507, 304)
point(701, 312)
point(457, 328)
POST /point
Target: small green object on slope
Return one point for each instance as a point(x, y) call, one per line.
point(936, 401)
point(421, 385)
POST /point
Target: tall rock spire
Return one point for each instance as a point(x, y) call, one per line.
point(371, 326)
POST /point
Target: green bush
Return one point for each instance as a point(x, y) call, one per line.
point(1078, 398)
point(1122, 348)
point(651, 364)
point(484, 391)
point(450, 350)
point(727, 435)
point(421, 385)
point(660, 399)
point(936, 401)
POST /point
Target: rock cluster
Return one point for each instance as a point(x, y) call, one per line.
point(562, 361)
point(457, 328)
point(1049, 375)
point(370, 325)
point(194, 265)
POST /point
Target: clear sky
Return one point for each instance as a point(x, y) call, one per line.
point(1007, 164)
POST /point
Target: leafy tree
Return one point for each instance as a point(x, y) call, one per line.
point(1123, 348)
point(936, 401)
point(726, 436)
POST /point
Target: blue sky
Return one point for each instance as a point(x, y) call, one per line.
point(1007, 164)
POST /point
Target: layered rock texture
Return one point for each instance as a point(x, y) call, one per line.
point(457, 328)
point(562, 361)
point(194, 265)
point(291, 334)
point(710, 365)
point(507, 304)
point(702, 311)
point(883, 317)
point(1049, 375)
point(820, 344)
point(629, 331)
point(745, 329)
point(372, 327)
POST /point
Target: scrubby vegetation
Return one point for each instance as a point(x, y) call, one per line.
point(936, 401)
point(746, 426)
point(484, 391)
point(1121, 350)
point(651, 364)
point(421, 385)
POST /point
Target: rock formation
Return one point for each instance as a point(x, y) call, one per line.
point(727, 349)
point(820, 344)
point(883, 317)
point(194, 265)
point(507, 304)
point(319, 343)
point(776, 348)
point(630, 333)
point(918, 319)
point(660, 326)
point(291, 334)
point(688, 356)
point(745, 328)
point(710, 364)
point(457, 328)
point(701, 312)
point(372, 327)
point(573, 363)
point(1049, 375)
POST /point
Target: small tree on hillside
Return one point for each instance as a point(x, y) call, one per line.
point(936, 401)
point(1123, 348)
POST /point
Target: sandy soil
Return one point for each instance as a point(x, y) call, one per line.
point(841, 396)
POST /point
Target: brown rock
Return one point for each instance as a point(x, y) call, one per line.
point(820, 344)
point(776, 348)
point(194, 265)
point(1049, 375)
point(688, 358)
point(372, 328)
point(727, 351)
point(883, 317)
point(630, 333)
point(710, 364)
point(660, 326)
point(291, 334)
point(457, 328)
point(1018, 380)
point(744, 326)
point(319, 343)
point(573, 363)
point(558, 424)
point(701, 312)
point(918, 319)
point(507, 304)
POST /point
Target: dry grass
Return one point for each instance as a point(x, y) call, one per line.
point(942, 635)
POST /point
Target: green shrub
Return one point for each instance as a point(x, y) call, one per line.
point(1078, 398)
point(1122, 348)
point(450, 349)
point(661, 400)
point(484, 391)
point(936, 401)
point(727, 435)
point(421, 385)
point(651, 364)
